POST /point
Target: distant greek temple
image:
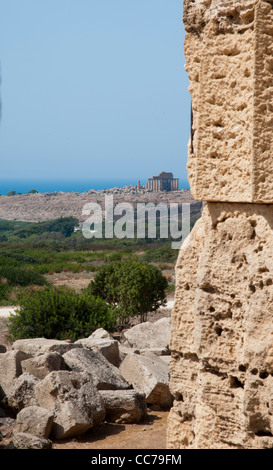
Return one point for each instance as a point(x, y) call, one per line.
point(163, 182)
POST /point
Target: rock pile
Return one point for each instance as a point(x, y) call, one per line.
point(52, 389)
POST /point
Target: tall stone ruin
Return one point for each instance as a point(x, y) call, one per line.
point(222, 320)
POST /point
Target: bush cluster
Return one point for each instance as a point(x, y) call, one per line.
point(60, 313)
point(21, 277)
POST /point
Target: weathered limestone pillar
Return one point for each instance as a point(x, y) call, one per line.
point(222, 321)
point(229, 55)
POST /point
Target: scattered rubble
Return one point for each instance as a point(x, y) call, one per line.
point(54, 390)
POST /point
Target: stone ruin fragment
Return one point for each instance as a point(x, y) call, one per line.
point(222, 321)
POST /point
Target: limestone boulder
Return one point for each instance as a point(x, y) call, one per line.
point(149, 335)
point(35, 346)
point(124, 406)
point(34, 420)
point(148, 375)
point(23, 440)
point(166, 360)
point(10, 369)
point(6, 426)
point(101, 333)
point(42, 364)
point(22, 392)
point(74, 401)
point(108, 347)
point(103, 374)
point(124, 350)
point(162, 352)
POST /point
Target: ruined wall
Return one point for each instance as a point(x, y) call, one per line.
point(222, 331)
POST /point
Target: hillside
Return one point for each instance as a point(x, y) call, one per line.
point(45, 206)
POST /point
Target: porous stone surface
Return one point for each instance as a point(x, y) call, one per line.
point(221, 371)
point(22, 391)
point(228, 49)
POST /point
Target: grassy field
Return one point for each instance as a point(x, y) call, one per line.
point(34, 254)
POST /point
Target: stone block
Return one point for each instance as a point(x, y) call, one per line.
point(104, 374)
point(73, 399)
point(149, 335)
point(221, 341)
point(228, 50)
point(108, 347)
point(34, 420)
point(10, 369)
point(148, 375)
point(43, 345)
point(23, 440)
point(22, 392)
point(43, 364)
point(124, 406)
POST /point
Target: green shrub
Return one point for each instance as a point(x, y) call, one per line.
point(115, 257)
point(171, 288)
point(6, 261)
point(164, 254)
point(131, 287)
point(13, 258)
point(4, 291)
point(60, 313)
point(90, 268)
point(21, 277)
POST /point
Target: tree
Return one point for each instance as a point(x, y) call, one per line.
point(65, 225)
point(11, 193)
point(32, 191)
point(131, 287)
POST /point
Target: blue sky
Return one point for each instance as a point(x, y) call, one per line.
point(93, 88)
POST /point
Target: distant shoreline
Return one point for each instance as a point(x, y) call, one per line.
point(70, 186)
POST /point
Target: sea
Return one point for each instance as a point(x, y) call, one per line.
point(70, 185)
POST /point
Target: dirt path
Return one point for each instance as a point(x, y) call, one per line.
point(6, 311)
point(150, 434)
